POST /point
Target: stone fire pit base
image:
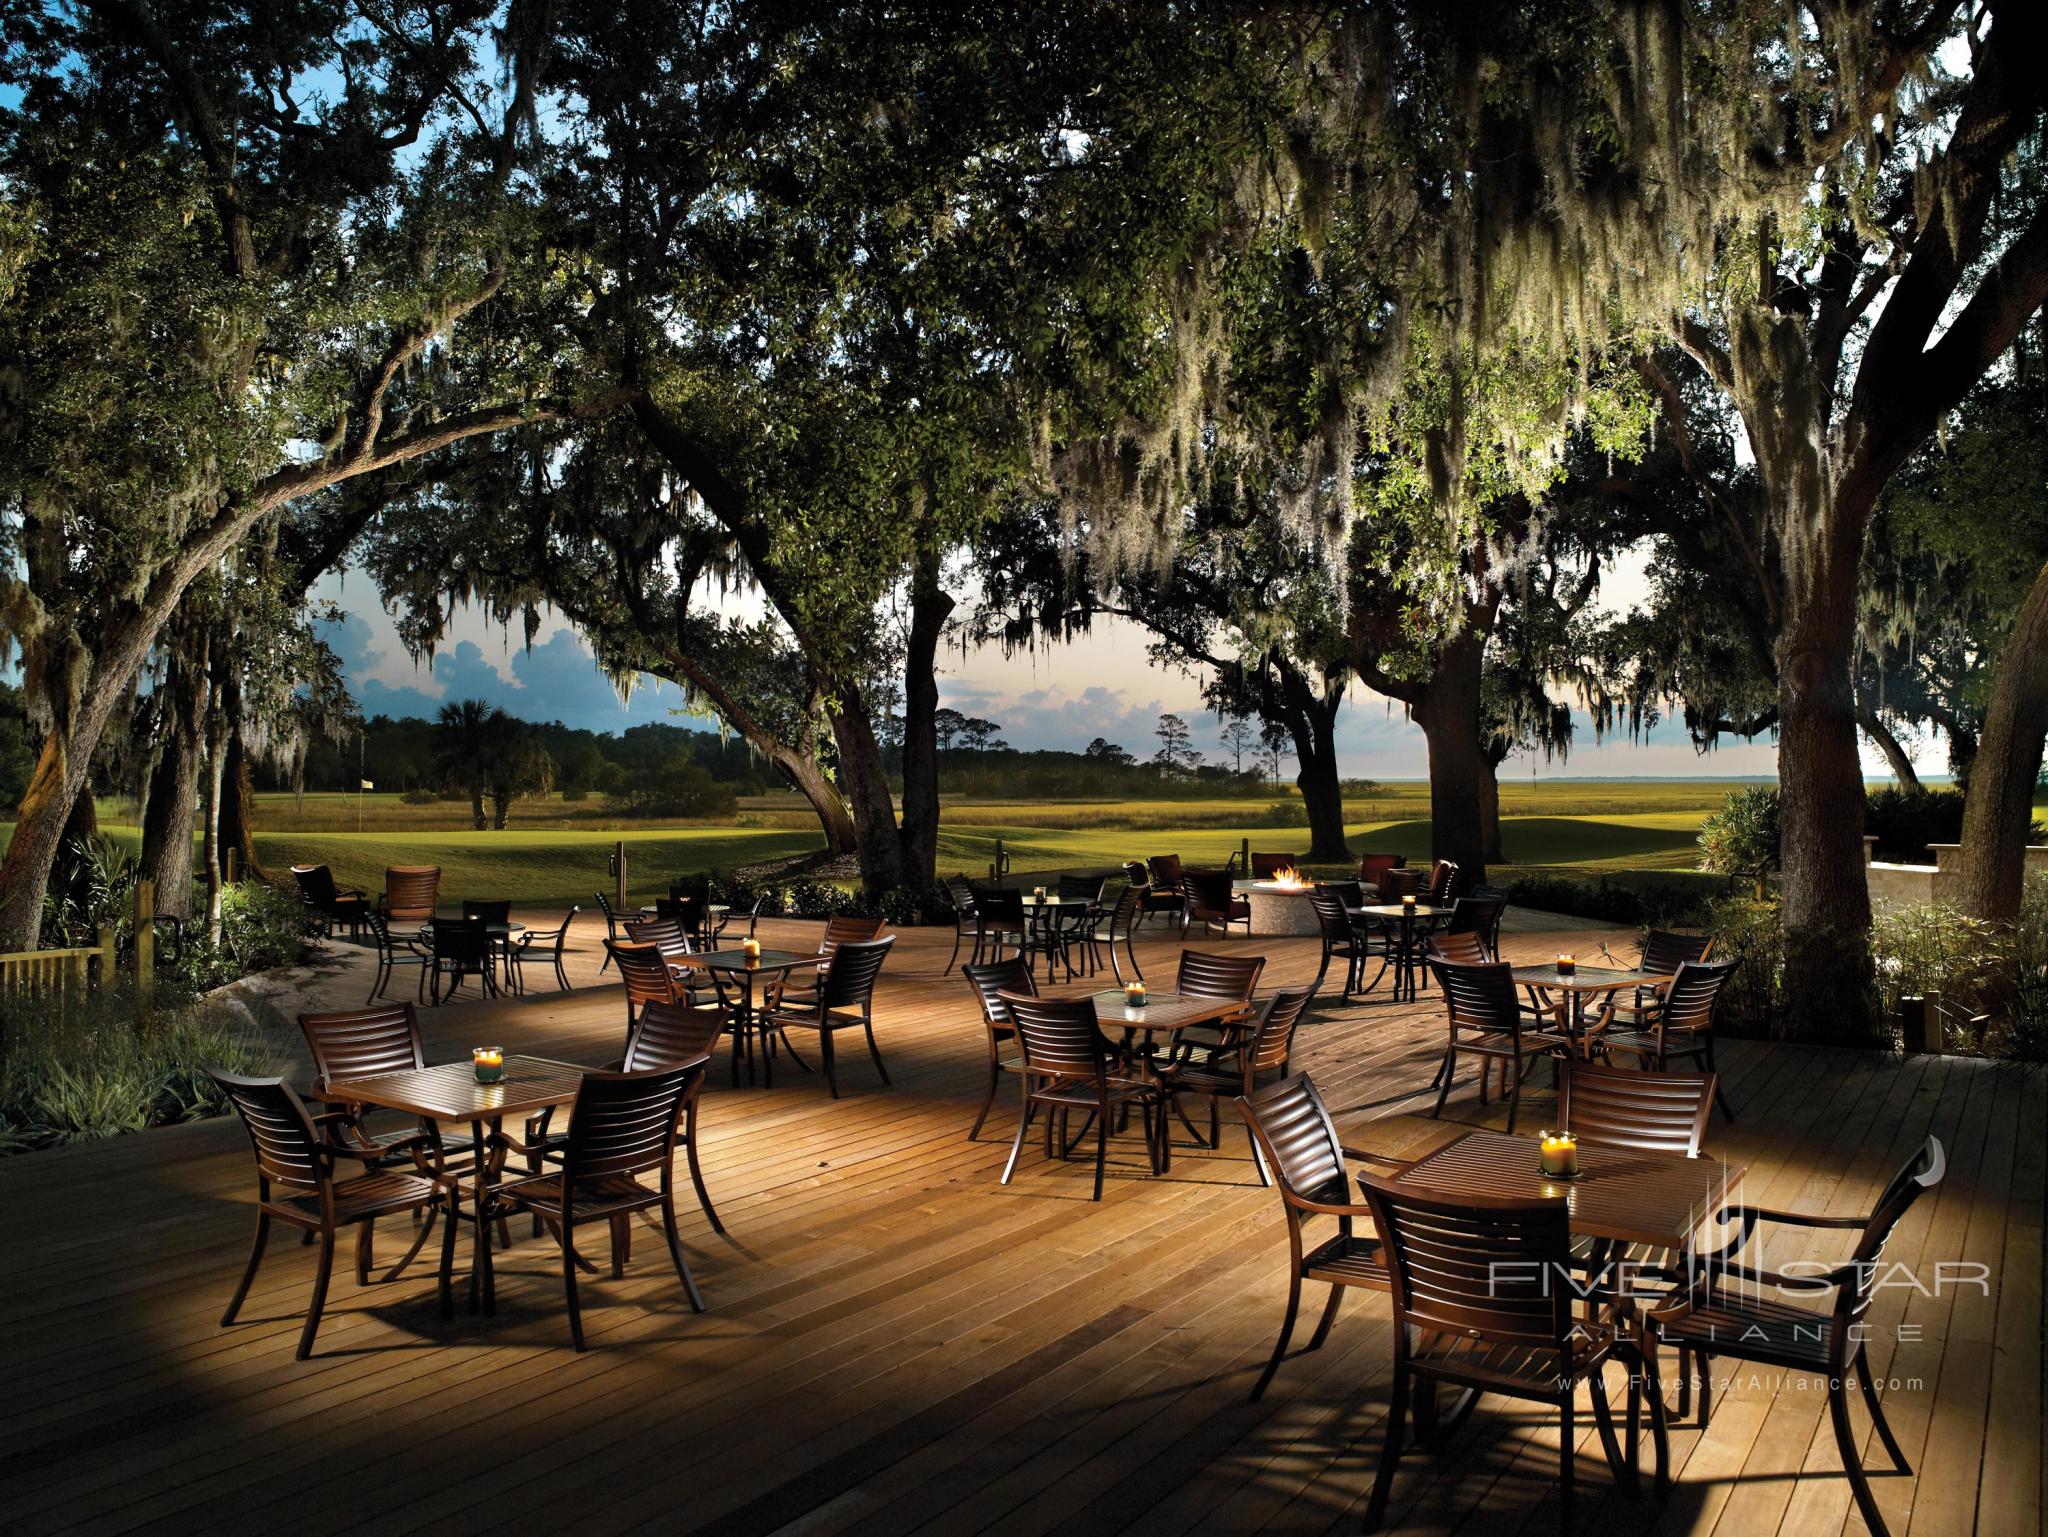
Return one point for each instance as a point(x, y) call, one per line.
point(1279, 909)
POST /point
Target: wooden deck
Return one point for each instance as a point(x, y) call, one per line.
point(896, 1343)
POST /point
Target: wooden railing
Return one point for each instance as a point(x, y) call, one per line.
point(55, 973)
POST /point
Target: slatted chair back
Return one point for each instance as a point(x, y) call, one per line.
point(1480, 997)
point(665, 934)
point(1351, 893)
point(281, 1132)
point(671, 1035)
point(611, 917)
point(686, 912)
point(316, 885)
point(380, 935)
point(362, 1043)
point(1059, 1036)
point(1463, 949)
point(855, 966)
point(1477, 915)
point(1443, 876)
point(1918, 1175)
point(1649, 1112)
point(848, 930)
point(625, 1123)
point(1265, 866)
point(1203, 975)
point(1001, 907)
point(462, 940)
point(961, 892)
point(1138, 874)
point(1693, 997)
point(990, 979)
point(1665, 951)
point(1400, 882)
point(1083, 888)
point(1272, 1034)
point(1125, 913)
point(487, 911)
point(1476, 1266)
point(1299, 1139)
point(1331, 918)
point(1207, 892)
point(1371, 867)
point(410, 892)
point(645, 973)
point(1165, 870)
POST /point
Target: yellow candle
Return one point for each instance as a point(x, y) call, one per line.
point(489, 1063)
point(751, 948)
point(1567, 964)
point(1559, 1155)
point(1407, 901)
point(1134, 994)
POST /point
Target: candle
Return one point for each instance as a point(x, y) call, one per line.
point(1038, 892)
point(489, 1062)
point(1134, 994)
point(1407, 901)
point(1567, 964)
point(751, 948)
point(1559, 1156)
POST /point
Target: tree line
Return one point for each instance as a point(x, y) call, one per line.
point(1342, 350)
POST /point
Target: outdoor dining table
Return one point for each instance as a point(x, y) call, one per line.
point(1621, 1196)
point(1043, 915)
point(743, 969)
point(1407, 957)
point(1162, 1014)
point(1582, 983)
point(450, 1094)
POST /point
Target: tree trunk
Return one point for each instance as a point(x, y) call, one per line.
point(1489, 806)
point(216, 765)
point(44, 817)
point(1448, 713)
point(238, 807)
point(2000, 804)
point(1896, 758)
point(1312, 722)
point(876, 842)
point(169, 818)
point(808, 778)
point(1825, 893)
point(919, 835)
point(476, 808)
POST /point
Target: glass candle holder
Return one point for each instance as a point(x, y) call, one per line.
point(1038, 892)
point(751, 948)
point(1559, 1155)
point(489, 1062)
point(1134, 994)
point(1567, 964)
point(1408, 902)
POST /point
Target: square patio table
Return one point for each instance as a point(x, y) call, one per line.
point(739, 966)
point(1583, 982)
point(1407, 958)
point(450, 1093)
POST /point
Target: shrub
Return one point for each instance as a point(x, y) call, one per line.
point(1747, 932)
point(1907, 822)
point(1288, 813)
point(261, 928)
point(1610, 901)
point(679, 787)
point(419, 795)
point(94, 1068)
point(1742, 837)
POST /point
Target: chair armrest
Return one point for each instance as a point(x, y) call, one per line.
point(1792, 1218)
point(1326, 1208)
point(505, 1142)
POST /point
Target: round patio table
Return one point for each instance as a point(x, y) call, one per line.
point(1406, 956)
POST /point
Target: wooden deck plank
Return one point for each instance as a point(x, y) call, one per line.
point(897, 1343)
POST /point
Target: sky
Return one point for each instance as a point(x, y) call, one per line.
point(1057, 697)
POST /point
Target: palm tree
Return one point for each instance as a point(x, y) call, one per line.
point(469, 737)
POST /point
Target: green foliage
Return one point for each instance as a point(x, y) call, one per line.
point(680, 788)
point(93, 1068)
point(1906, 822)
point(1609, 900)
point(1748, 932)
point(1742, 837)
point(1987, 983)
point(1287, 813)
point(261, 928)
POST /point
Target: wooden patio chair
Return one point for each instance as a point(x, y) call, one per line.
point(1443, 881)
point(700, 989)
point(1678, 1026)
point(844, 1001)
point(1163, 893)
point(1204, 974)
point(960, 891)
point(460, 947)
point(1232, 1068)
point(1297, 1140)
point(410, 892)
point(1070, 1065)
point(622, 1128)
point(1481, 915)
point(1465, 947)
point(1482, 1303)
point(1725, 1310)
point(297, 1183)
point(334, 904)
point(1649, 1112)
point(999, 922)
point(1371, 867)
point(541, 945)
point(1340, 936)
point(1117, 925)
point(1399, 882)
point(1263, 867)
point(611, 928)
point(1213, 902)
point(989, 980)
point(644, 971)
point(393, 953)
point(362, 1043)
point(1663, 951)
point(842, 929)
point(1487, 1018)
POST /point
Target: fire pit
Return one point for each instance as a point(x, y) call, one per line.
point(1280, 905)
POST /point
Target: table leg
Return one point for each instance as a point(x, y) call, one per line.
point(482, 1291)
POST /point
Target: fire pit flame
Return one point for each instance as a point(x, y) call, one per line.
point(1287, 878)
